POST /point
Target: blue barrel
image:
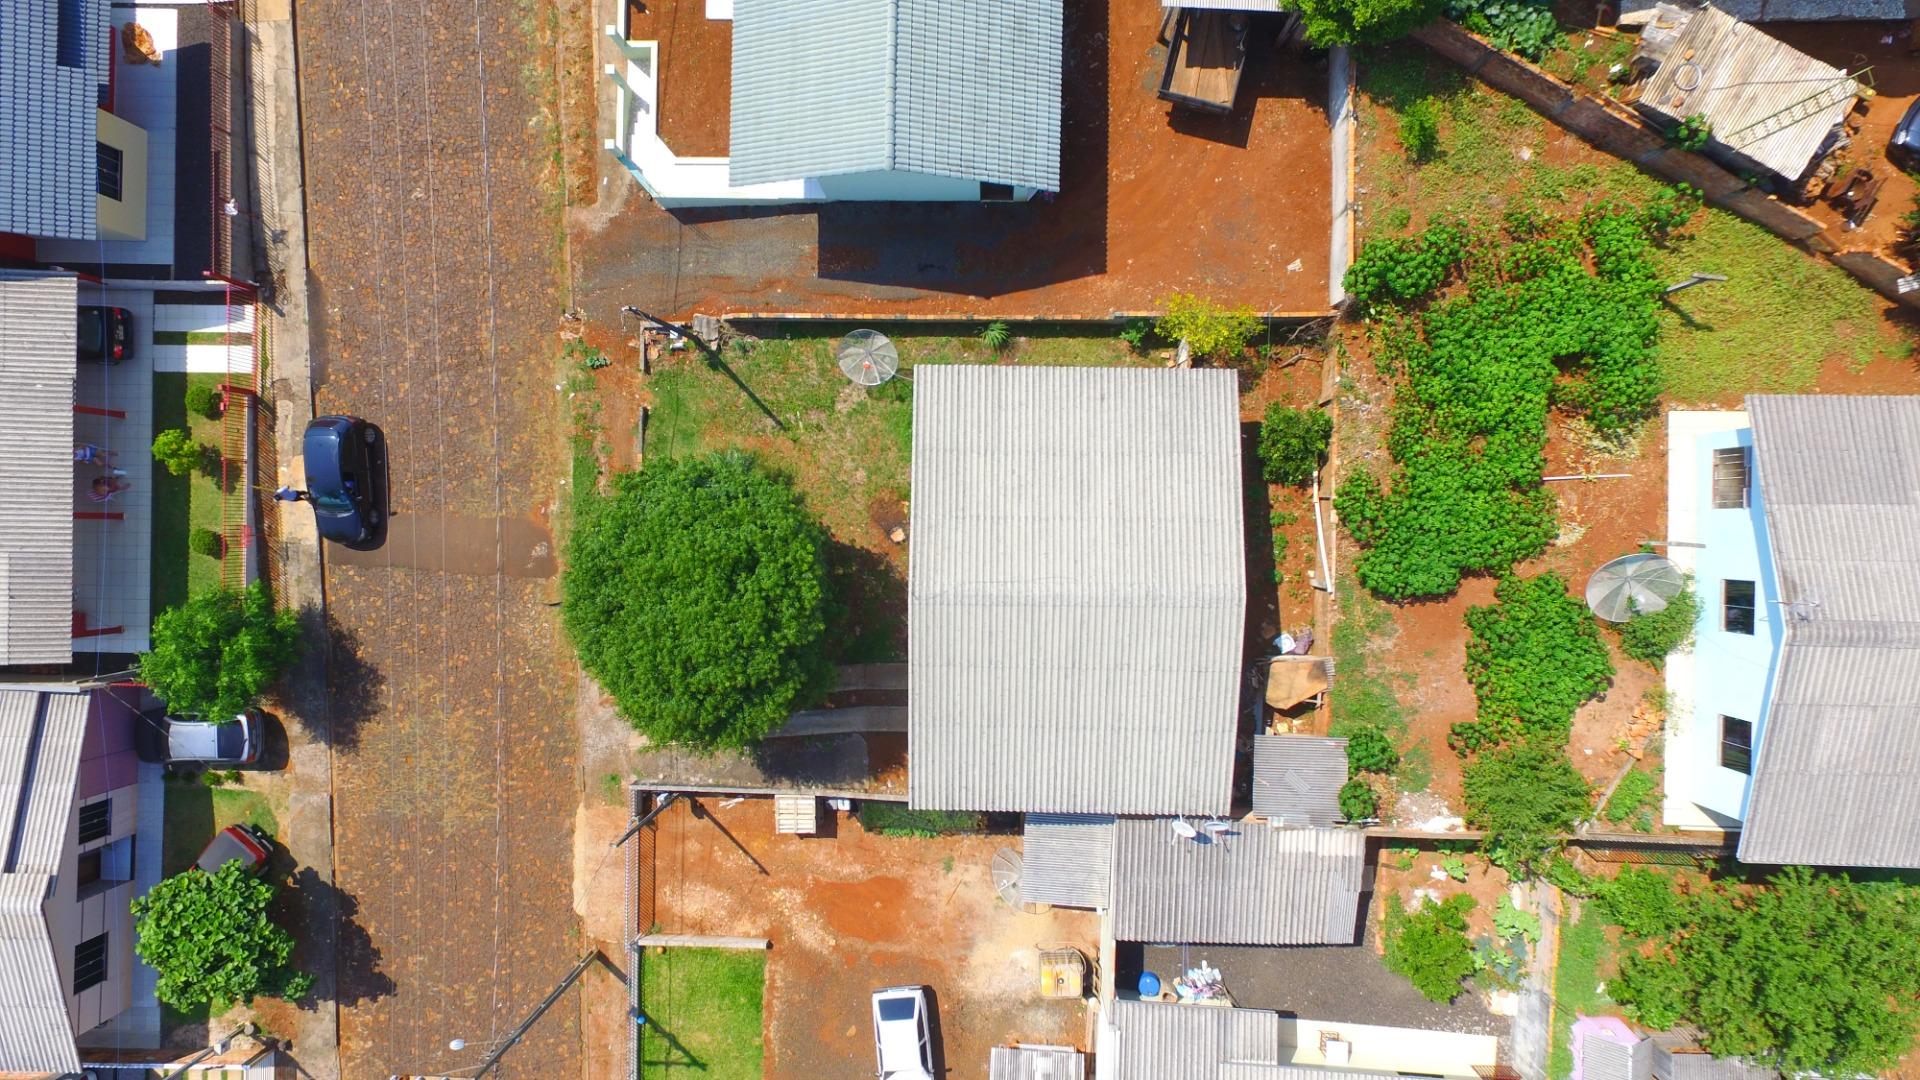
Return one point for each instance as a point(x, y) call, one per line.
point(1149, 985)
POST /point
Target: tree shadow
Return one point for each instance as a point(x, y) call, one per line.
point(345, 963)
point(332, 713)
point(868, 623)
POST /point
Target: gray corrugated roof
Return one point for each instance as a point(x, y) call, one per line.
point(1766, 101)
point(47, 147)
point(1077, 593)
point(1036, 1063)
point(1297, 778)
point(36, 467)
point(1682, 1066)
point(1234, 1070)
point(40, 739)
point(1260, 886)
point(1067, 860)
point(1603, 1058)
point(1155, 1040)
point(1790, 10)
point(1837, 778)
point(966, 88)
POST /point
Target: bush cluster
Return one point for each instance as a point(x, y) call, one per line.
point(1526, 27)
point(1293, 442)
point(1632, 800)
point(1370, 750)
point(894, 819)
point(175, 450)
point(204, 541)
point(210, 939)
point(1210, 330)
point(1649, 636)
point(1534, 656)
point(1549, 315)
point(1640, 901)
point(1429, 945)
point(1357, 800)
point(1524, 795)
point(204, 400)
point(1420, 129)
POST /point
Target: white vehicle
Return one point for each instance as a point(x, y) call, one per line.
point(900, 1038)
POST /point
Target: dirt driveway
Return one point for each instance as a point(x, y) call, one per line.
point(850, 912)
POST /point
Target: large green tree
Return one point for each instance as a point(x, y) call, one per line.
point(1810, 973)
point(1524, 795)
point(218, 652)
point(209, 938)
point(696, 593)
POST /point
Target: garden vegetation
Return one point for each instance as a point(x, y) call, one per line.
point(1525, 795)
point(1649, 636)
point(696, 593)
point(1533, 658)
point(1293, 443)
point(210, 940)
point(1209, 329)
point(1429, 945)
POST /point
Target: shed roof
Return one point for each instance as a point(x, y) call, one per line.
point(1077, 593)
point(1787, 10)
point(36, 466)
point(1611, 1052)
point(1154, 1040)
point(47, 107)
point(1767, 102)
point(966, 88)
point(1256, 886)
point(1297, 778)
point(1837, 778)
point(40, 741)
point(1067, 860)
point(1680, 1065)
point(1036, 1063)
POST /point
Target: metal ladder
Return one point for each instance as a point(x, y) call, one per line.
point(1837, 92)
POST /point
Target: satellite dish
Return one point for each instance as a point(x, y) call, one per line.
point(1640, 583)
point(1005, 868)
point(867, 357)
point(1183, 828)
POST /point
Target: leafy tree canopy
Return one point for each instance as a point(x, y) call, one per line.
point(696, 593)
point(218, 652)
point(1811, 973)
point(1209, 329)
point(1293, 442)
point(1429, 945)
point(1525, 795)
point(209, 938)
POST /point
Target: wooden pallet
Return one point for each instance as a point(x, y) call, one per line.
point(798, 815)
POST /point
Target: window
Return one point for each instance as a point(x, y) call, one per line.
point(107, 181)
point(90, 963)
point(991, 192)
point(96, 820)
point(1736, 607)
point(70, 33)
point(1730, 477)
point(89, 869)
point(1736, 744)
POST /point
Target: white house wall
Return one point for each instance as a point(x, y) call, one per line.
point(1725, 674)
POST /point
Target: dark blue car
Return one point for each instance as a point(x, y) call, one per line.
point(347, 479)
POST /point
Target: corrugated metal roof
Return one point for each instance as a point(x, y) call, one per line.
point(1257, 886)
point(1156, 1040)
point(1067, 860)
point(965, 88)
point(1767, 102)
point(1234, 1070)
point(1603, 1058)
point(1837, 778)
point(1077, 593)
point(1297, 778)
point(40, 740)
point(36, 466)
point(1789, 10)
point(48, 167)
point(1682, 1066)
point(1036, 1063)
point(1224, 5)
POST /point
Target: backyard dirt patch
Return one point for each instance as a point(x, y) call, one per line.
point(849, 912)
point(1235, 208)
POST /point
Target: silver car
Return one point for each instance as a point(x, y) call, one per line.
point(900, 1033)
point(187, 739)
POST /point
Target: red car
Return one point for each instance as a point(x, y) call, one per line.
point(243, 842)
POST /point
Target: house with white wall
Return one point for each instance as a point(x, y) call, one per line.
point(1795, 716)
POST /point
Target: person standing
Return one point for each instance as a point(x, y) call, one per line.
point(289, 493)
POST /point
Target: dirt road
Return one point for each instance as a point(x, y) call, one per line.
point(434, 296)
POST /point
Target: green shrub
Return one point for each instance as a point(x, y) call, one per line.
point(1559, 871)
point(1813, 973)
point(1525, 796)
point(1509, 921)
point(1536, 655)
point(1526, 27)
point(204, 400)
point(1357, 800)
point(996, 335)
point(218, 652)
point(1429, 945)
point(1641, 902)
point(1210, 330)
point(894, 819)
point(1455, 867)
point(1635, 793)
point(1293, 442)
point(1649, 636)
point(1138, 334)
point(175, 449)
point(1420, 129)
point(696, 593)
point(1363, 22)
point(210, 939)
point(1370, 750)
point(1404, 269)
point(204, 541)
point(1692, 133)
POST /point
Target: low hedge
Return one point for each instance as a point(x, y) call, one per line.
point(895, 819)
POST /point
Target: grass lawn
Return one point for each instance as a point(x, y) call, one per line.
point(703, 1010)
point(182, 502)
point(1367, 693)
point(1576, 983)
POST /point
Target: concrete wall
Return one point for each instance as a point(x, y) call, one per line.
point(124, 218)
point(1725, 674)
point(1614, 128)
point(896, 186)
point(76, 913)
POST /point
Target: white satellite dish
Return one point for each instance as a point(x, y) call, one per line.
point(1641, 583)
point(1183, 828)
point(867, 357)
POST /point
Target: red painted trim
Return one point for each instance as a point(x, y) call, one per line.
point(89, 410)
point(98, 515)
point(97, 631)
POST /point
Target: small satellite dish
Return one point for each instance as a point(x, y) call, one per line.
point(1183, 828)
point(1005, 869)
point(868, 358)
point(1641, 583)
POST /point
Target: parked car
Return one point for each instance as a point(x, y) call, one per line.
point(347, 479)
point(900, 1033)
point(1903, 149)
point(188, 739)
point(243, 842)
point(102, 333)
